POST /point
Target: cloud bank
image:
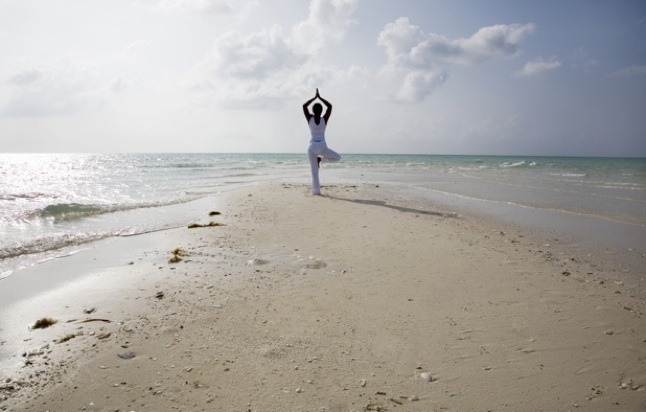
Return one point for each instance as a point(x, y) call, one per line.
point(257, 69)
point(425, 58)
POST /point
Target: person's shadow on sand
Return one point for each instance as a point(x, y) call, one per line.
point(399, 208)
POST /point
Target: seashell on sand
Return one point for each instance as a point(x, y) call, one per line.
point(426, 376)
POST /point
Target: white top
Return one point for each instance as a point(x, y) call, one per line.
point(317, 130)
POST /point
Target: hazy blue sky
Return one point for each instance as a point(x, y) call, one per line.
point(405, 76)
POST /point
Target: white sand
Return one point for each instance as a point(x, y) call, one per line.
point(334, 303)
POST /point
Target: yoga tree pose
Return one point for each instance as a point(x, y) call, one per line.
point(318, 152)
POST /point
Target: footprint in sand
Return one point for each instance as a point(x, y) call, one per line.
point(273, 353)
point(257, 262)
point(317, 264)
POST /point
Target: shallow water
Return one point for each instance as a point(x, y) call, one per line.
point(51, 202)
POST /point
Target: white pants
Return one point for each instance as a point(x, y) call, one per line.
point(319, 149)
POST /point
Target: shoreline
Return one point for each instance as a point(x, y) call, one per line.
point(44, 217)
point(246, 297)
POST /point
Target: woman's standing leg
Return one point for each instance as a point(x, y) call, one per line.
point(316, 185)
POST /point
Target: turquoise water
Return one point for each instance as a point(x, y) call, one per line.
point(51, 202)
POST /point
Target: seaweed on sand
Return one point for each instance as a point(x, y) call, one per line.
point(43, 323)
point(177, 253)
point(210, 224)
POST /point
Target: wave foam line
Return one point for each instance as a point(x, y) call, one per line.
point(52, 242)
point(72, 211)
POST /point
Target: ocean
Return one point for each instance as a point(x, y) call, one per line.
point(56, 204)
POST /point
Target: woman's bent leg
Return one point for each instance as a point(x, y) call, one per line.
point(329, 156)
point(316, 185)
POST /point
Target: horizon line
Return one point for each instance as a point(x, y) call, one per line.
point(304, 154)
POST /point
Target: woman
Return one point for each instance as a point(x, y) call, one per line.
point(318, 151)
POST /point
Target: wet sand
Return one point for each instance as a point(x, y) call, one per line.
point(334, 303)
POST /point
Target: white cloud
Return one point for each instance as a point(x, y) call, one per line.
point(425, 57)
point(271, 90)
point(634, 70)
point(204, 6)
point(539, 66)
point(327, 19)
point(408, 46)
point(258, 69)
point(419, 84)
point(256, 55)
point(498, 40)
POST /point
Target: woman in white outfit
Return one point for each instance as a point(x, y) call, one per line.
point(318, 151)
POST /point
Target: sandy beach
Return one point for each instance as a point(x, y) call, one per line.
point(359, 300)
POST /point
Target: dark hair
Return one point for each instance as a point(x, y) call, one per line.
point(317, 109)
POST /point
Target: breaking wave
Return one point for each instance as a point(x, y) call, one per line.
point(53, 242)
point(522, 163)
point(72, 211)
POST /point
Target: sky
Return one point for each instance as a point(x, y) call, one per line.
point(510, 77)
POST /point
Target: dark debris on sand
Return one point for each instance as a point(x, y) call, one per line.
point(210, 224)
point(44, 323)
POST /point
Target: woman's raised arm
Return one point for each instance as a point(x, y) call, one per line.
point(328, 106)
point(306, 110)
